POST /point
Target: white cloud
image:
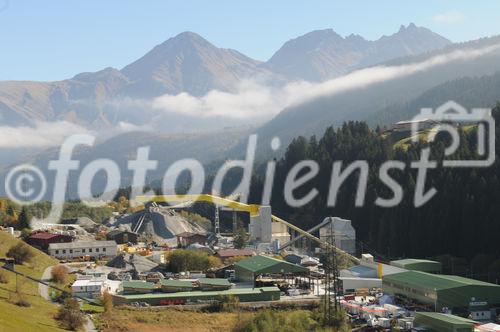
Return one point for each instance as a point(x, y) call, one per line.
point(252, 100)
point(42, 135)
point(450, 17)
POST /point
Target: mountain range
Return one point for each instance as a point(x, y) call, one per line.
point(188, 63)
point(425, 70)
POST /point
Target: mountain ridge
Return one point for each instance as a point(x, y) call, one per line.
point(184, 63)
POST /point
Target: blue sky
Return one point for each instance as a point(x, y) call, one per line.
point(51, 40)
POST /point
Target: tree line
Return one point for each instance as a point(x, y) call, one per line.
point(461, 220)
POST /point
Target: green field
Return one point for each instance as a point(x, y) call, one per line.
point(40, 315)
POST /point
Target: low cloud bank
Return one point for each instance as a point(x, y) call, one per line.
point(255, 100)
point(41, 135)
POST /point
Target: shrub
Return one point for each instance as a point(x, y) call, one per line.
point(3, 278)
point(59, 274)
point(107, 301)
point(228, 303)
point(284, 321)
point(21, 253)
point(70, 315)
point(188, 260)
point(23, 303)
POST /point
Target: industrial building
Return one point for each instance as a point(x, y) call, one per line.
point(437, 322)
point(422, 265)
point(458, 294)
point(213, 284)
point(349, 285)
point(369, 268)
point(342, 234)
point(185, 239)
point(174, 285)
point(122, 236)
point(42, 240)
point(243, 294)
point(225, 254)
point(137, 287)
point(248, 269)
point(88, 288)
point(78, 249)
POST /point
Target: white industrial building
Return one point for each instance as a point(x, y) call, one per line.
point(263, 229)
point(93, 249)
point(93, 286)
point(350, 284)
point(342, 234)
point(88, 288)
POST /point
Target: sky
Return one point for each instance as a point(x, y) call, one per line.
point(54, 40)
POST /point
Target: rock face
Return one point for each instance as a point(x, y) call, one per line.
point(157, 224)
point(188, 63)
point(323, 54)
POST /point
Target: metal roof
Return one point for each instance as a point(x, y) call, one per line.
point(138, 284)
point(235, 252)
point(430, 281)
point(45, 236)
point(82, 244)
point(214, 281)
point(450, 319)
point(235, 291)
point(176, 283)
point(266, 264)
point(417, 264)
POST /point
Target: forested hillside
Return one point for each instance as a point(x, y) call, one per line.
point(461, 220)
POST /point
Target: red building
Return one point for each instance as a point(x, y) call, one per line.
point(42, 240)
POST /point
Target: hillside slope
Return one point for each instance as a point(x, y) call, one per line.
point(37, 317)
point(313, 117)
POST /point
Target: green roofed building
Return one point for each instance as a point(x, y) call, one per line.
point(214, 284)
point(422, 265)
point(137, 287)
point(243, 294)
point(171, 285)
point(441, 291)
point(436, 322)
point(248, 269)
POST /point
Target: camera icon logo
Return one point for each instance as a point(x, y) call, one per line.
point(449, 117)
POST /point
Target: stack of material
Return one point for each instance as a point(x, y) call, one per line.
point(132, 262)
point(157, 224)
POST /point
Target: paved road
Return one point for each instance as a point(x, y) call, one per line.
point(43, 290)
point(89, 325)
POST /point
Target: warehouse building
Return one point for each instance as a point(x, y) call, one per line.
point(78, 249)
point(137, 287)
point(122, 236)
point(458, 294)
point(175, 285)
point(243, 294)
point(422, 265)
point(214, 284)
point(437, 322)
point(42, 240)
point(88, 288)
point(248, 269)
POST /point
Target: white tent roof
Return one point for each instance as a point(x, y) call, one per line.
point(489, 327)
